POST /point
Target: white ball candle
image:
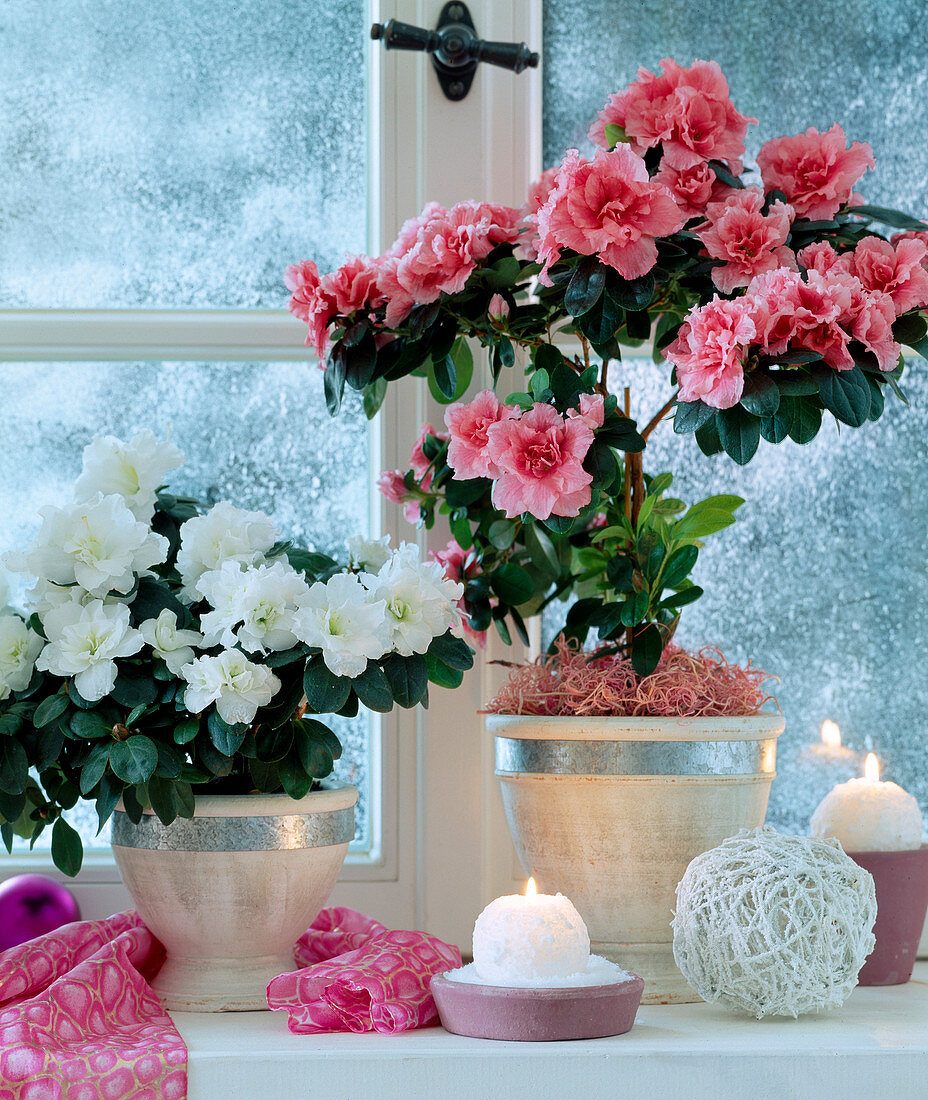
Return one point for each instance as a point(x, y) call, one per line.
point(867, 815)
point(530, 938)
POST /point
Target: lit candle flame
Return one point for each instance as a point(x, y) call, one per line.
point(531, 890)
point(872, 767)
point(831, 734)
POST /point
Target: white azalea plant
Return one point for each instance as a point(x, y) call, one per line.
point(163, 649)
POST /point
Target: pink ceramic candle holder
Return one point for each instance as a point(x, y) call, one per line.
point(537, 1015)
point(901, 880)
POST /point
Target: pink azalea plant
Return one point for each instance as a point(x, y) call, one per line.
point(770, 293)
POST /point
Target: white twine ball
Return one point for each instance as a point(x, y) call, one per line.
point(774, 925)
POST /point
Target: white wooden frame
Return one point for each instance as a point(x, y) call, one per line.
point(441, 849)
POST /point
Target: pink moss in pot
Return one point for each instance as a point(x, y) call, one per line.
point(573, 681)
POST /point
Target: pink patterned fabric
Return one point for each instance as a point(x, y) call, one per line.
point(78, 1020)
point(381, 985)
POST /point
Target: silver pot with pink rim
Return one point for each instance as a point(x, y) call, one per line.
point(610, 812)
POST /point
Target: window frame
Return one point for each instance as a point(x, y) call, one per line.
point(433, 791)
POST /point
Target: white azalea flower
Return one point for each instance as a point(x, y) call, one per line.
point(369, 554)
point(225, 533)
point(19, 647)
point(132, 470)
point(236, 685)
point(99, 545)
point(421, 602)
point(263, 599)
point(45, 596)
point(173, 646)
point(342, 619)
point(84, 642)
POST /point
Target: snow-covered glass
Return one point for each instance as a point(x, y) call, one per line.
point(179, 153)
point(257, 434)
point(822, 580)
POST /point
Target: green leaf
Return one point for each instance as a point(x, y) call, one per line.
point(67, 848)
point(776, 428)
point(274, 744)
point(795, 384)
point(585, 286)
point(635, 608)
point(739, 433)
point(184, 732)
point(50, 709)
point(761, 396)
point(94, 767)
point(161, 797)
point(910, 328)
point(372, 397)
point(373, 689)
point(135, 759)
point(887, 216)
point(647, 647)
point(633, 293)
point(512, 584)
point(225, 737)
point(684, 596)
point(314, 753)
point(724, 175)
point(615, 134)
point(293, 775)
point(690, 416)
point(333, 383)
point(844, 393)
point(707, 437)
point(452, 651)
point(443, 379)
point(877, 400)
point(89, 725)
point(542, 552)
point(151, 598)
point(109, 794)
point(699, 525)
point(440, 674)
point(807, 419)
point(679, 566)
point(132, 691)
point(408, 678)
point(502, 533)
point(14, 766)
point(325, 692)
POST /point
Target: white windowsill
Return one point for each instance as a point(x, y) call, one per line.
point(876, 1045)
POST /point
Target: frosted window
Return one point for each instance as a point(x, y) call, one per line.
point(177, 153)
point(257, 434)
point(822, 580)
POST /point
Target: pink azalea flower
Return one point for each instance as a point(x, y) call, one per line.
point(540, 459)
point(498, 309)
point(432, 211)
point(871, 322)
point(815, 171)
point(454, 560)
point(353, 286)
point(710, 351)
point(693, 188)
point(311, 302)
point(896, 269)
point(607, 207)
point(468, 426)
point(819, 256)
point(913, 235)
point(446, 249)
point(392, 485)
point(418, 461)
point(687, 111)
point(790, 311)
point(537, 197)
point(749, 241)
point(591, 410)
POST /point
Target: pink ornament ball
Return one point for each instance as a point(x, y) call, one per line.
point(32, 905)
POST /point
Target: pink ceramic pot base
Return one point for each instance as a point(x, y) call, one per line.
point(536, 1015)
point(901, 880)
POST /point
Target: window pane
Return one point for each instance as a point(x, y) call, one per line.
point(822, 580)
point(178, 153)
point(257, 434)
